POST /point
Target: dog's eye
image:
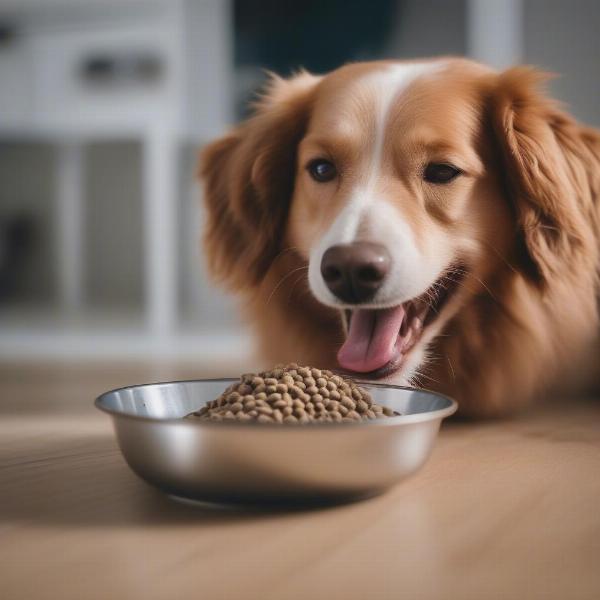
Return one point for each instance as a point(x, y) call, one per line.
point(440, 173)
point(321, 170)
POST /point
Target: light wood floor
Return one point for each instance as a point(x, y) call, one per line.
point(503, 510)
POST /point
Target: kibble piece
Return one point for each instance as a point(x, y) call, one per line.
point(348, 403)
point(332, 405)
point(287, 380)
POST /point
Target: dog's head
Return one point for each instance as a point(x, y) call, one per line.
point(404, 186)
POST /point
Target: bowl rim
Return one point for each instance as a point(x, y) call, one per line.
point(440, 413)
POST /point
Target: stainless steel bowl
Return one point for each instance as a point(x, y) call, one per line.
point(252, 462)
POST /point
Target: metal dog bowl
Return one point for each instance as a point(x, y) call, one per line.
point(252, 462)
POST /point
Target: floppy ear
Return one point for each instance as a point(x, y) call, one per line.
point(545, 162)
point(248, 180)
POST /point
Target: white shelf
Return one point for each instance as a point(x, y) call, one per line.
point(48, 101)
point(111, 132)
point(120, 344)
point(36, 333)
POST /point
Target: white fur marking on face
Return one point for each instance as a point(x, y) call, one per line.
point(411, 274)
point(386, 86)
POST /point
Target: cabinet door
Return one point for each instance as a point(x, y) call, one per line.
point(16, 77)
point(111, 76)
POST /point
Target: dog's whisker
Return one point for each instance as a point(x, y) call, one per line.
point(289, 299)
point(283, 251)
point(415, 380)
point(451, 368)
point(281, 282)
point(499, 255)
point(487, 289)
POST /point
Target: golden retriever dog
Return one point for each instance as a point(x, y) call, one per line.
point(432, 223)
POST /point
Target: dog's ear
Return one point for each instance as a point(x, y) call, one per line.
point(248, 179)
point(545, 166)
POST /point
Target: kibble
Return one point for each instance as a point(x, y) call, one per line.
point(293, 394)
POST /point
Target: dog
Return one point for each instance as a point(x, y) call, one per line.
point(431, 223)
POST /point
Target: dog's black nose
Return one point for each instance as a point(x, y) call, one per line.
point(354, 272)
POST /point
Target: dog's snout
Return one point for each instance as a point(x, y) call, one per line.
point(354, 272)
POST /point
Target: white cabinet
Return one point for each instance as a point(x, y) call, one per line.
point(94, 66)
point(152, 72)
point(66, 95)
point(16, 89)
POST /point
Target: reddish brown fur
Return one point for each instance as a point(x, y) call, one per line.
point(529, 304)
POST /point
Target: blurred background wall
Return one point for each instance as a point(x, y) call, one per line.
point(104, 104)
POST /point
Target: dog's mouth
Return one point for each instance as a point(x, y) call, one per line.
point(379, 340)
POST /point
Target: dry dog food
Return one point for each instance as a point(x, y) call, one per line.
point(293, 394)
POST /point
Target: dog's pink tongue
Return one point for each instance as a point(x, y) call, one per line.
point(371, 340)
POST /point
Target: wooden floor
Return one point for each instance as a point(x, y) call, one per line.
point(505, 510)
